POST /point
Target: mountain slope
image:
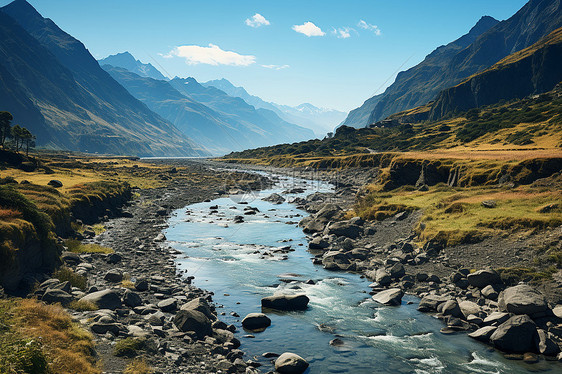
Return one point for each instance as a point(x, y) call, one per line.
point(533, 70)
point(201, 123)
point(56, 88)
point(321, 121)
point(126, 61)
point(423, 82)
point(489, 44)
point(359, 117)
point(266, 123)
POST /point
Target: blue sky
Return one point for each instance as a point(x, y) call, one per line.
point(339, 69)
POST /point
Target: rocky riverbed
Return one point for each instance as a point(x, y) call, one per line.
point(177, 322)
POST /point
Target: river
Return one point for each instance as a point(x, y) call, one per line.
point(229, 259)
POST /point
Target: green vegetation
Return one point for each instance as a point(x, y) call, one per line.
point(82, 306)
point(65, 274)
point(76, 246)
point(128, 347)
point(138, 366)
point(42, 339)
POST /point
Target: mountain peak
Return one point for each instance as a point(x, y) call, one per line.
point(127, 61)
point(483, 25)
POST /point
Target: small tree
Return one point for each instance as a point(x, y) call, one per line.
point(28, 139)
point(5, 126)
point(17, 133)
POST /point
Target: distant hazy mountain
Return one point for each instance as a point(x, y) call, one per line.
point(533, 70)
point(319, 120)
point(127, 61)
point(53, 86)
point(219, 133)
point(273, 129)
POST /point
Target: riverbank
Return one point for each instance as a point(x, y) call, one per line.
point(120, 282)
point(497, 288)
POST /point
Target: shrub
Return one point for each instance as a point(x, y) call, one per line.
point(128, 347)
point(65, 274)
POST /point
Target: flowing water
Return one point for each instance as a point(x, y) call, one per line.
point(229, 259)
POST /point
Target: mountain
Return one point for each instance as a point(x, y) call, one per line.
point(419, 84)
point(531, 71)
point(126, 61)
point(319, 120)
point(270, 128)
point(53, 86)
point(487, 43)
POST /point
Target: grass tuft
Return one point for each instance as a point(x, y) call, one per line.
point(128, 347)
point(138, 366)
point(65, 274)
point(76, 246)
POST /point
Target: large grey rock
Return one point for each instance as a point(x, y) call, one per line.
point(382, 277)
point(274, 198)
point(104, 327)
point(397, 270)
point(483, 278)
point(168, 305)
point(344, 228)
point(318, 243)
point(113, 276)
point(193, 320)
point(451, 308)
point(469, 307)
point(106, 299)
point(430, 303)
point(290, 363)
point(132, 299)
point(547, 343)
point(483, 334)
point(54, 295)
point(285, 302)
point(517, 334)
point(496, 318)
point(391, 296)
point(522, 299)
point(489, 292)
point(201, 305)
point(318, 222)
point(255, 321)
point(336, 260)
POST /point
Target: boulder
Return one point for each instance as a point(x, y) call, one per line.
point(106, 299)
point(318, 222)
point(496, 318)
point(469, 307)
point(430, 303)
point(382, 277)
point(132, 299)
point(522, 299)
point(451, 308)
point(290, 363)
point(318, 243)
point(397, 270)
point(391, 296)
point(336, 260)
point(518, 334)
point(55, 183)
point(274, 198)
point(483, 278)
point(201, 305)
point(483, 334)
point(489, 292)
point(104, 327)
point(347, 229)
point(54, 295)
point(285, 302)
point(113, 276)
point(256, 321)
point(547, 343)
point(193, 320)
point(141, 285)
point(168, 305)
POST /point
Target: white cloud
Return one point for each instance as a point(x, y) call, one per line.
point(211, 55)
point(276, 67)
point(342, 32)
point(257, 20)
point(309, 29)
point(367, 26)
